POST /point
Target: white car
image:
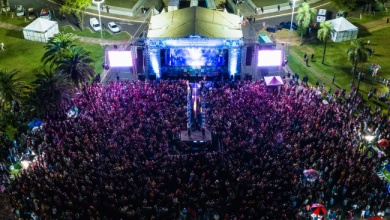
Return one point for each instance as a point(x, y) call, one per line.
point(19, 10)
point(95, 24)
point(114, 28)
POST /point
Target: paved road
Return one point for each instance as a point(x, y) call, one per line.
point(131, 27)
point(135, 28)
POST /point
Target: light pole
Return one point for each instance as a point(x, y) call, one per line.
point(291, 26)
point(99, 2)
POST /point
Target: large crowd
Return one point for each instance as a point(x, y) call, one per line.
point(111, 161)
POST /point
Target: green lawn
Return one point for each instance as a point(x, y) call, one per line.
point(89, 33)
point(121, 3)
point(262, 3)
point(20, 54)
point(25, 56)
point(336, 63)
point(18, 21)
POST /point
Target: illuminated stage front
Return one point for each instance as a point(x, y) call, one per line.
point(195, 56)
point(196, 41)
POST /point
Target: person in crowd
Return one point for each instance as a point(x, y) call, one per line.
point(113, 160)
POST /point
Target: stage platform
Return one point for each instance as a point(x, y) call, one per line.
point(196, 136)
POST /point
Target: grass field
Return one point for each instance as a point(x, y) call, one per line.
point(25, 56)
point(262, 3)
point(336, 63)
point(121, 3)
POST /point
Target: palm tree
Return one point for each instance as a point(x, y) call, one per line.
point(57, 48)
point(77, 66)
point(12, 87)
point(50, 89)
point(356, 53)
point(383, 2)
point(305, 16)
point(323, 34)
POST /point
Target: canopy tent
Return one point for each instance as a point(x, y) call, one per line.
point(273, 81)
point(195, 21)
point(40, 30)
point(343, 30)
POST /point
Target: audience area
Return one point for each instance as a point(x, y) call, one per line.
point(109, 158)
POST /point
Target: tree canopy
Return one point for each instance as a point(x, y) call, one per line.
point(76, 7)
point(345, 5)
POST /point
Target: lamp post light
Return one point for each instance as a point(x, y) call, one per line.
point(99, 2)
point(291, 26)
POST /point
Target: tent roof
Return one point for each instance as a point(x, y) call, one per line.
point(342, 24)
point(40, 25)
point(273, 81)
point(195, 21)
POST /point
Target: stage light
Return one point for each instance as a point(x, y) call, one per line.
point(269, 58)
point(120, 59)
point(233, 62)
point(25, 164)
point(155, 64)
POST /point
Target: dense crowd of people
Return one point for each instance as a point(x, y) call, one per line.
point(111, 160)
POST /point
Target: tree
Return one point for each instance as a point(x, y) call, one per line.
point(383, 2)
point(58, 48)
point(78, 8)
point(50, 89)
point(345, 5)
point(356, 54)
point(323, 34)
point(12, 88)
point(77, 66)
point(305, 16)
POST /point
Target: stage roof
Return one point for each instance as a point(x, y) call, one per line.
point(195, 21)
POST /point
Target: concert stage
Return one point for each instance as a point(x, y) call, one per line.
point(194, 42)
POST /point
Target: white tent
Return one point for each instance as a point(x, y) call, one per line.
point(273, 81)
point(343, 30)
point(40, 30)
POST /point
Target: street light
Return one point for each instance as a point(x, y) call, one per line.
point(98, 2)
point(291, 26)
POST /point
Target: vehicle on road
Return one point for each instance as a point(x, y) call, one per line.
point(19, 10)
point(340, 14)
point(321, 16)
point(114, 28)
point(31, 14)
point(95, 24)
point(5, 6)
point(46, 14)
point(287, 25)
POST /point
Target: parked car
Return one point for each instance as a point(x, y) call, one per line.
point(340, 14)
point(95, 24)
point(19, 10)
point(5, 6)
point(114, 28)
point(46, 14)
point(31, 14)
point(287, 25)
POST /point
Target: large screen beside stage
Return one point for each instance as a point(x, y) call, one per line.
point(195, 57)
point(269, 58)
point(120, 59)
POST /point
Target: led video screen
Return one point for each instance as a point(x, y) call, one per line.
point(196, 57)
point(269, 58)
point(120, 59)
